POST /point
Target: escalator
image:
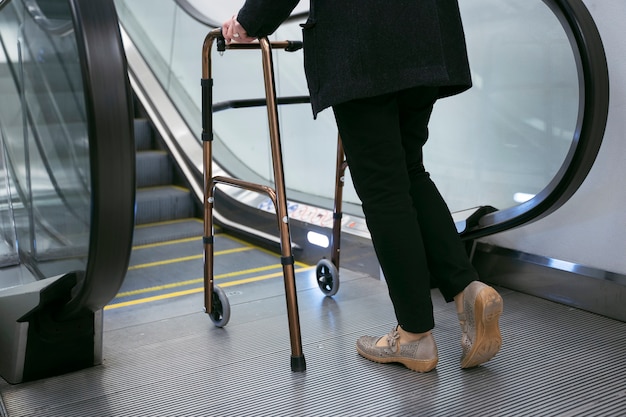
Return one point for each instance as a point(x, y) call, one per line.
point(70, 279)
point(68, 171)
point(174, 363)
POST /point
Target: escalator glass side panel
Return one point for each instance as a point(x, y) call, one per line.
point(591, 113)
point(68, 181)
point(8, 238)
point(47, 144)
point(10, 121)
point(504, 140)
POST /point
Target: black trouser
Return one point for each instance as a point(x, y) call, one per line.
point(410, 224)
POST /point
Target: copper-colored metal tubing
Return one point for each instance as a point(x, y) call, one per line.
point(281, 203)
point(339, 183)
point(235, 182)
point(277, 194)
point(207, 158)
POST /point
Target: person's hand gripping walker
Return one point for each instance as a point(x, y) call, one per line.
point(232, 31)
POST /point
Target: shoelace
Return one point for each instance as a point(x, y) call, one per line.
point(392, 339)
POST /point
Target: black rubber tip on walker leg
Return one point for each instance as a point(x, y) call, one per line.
point(298, 364)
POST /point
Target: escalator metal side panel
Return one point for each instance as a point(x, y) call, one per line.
point(14, 304)
point(597, 291)
point(37, 343)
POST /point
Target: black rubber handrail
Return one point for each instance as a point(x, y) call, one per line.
point(108, 103)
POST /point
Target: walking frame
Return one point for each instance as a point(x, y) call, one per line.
point(215, 300)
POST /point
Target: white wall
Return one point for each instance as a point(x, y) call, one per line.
point(590, 229)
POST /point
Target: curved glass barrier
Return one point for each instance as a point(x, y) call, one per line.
point(59, 143)
point(45, 141)
point(505, 143)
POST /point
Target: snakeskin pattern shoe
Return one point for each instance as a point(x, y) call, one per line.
point(419, 356)
point(481, 339)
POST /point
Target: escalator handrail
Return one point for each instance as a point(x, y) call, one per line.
point(108, 104)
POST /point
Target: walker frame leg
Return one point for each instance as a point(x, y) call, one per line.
point(337, 211)
point(278, 195)
point(327, 273)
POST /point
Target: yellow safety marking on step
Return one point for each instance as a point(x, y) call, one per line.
point(168, 242)
point(196, 281)
point(166, 222)
point(186, 258)
point(154, 298)
point(194, 290)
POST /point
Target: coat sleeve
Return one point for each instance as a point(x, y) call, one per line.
point(262, 17)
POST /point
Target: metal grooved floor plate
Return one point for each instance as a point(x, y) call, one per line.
point(165, 358)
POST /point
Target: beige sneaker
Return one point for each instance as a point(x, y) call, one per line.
point(481, 339)
point(419, 356)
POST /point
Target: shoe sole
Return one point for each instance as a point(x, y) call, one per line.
point(413, 364)
point(488, 340)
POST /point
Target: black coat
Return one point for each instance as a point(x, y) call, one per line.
point(362, 48)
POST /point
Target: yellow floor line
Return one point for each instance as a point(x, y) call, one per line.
point(154, 298)
point(186, 258)
point(195, 290)
point(168, 242)
point(196, 281)
point(167, 222)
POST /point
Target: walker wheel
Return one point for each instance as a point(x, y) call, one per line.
point(327, 277)
point(220, 307)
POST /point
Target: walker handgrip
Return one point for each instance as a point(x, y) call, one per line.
point(221, 43)
point(293, 46)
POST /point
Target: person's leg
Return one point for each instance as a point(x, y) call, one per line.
point(478, 305)
point(370, 134)
point(448, 262)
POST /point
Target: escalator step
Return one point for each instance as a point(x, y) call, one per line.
point(143, 134)
point(150, 233)
point(158, 204)
point(154, 168)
